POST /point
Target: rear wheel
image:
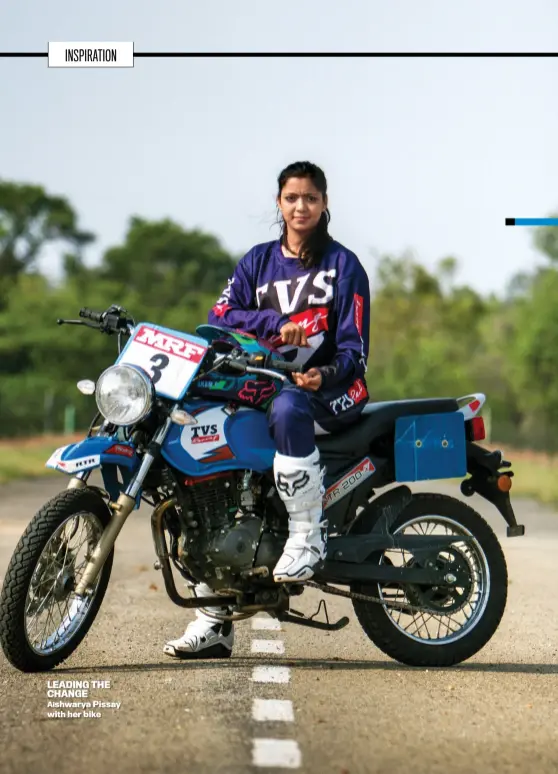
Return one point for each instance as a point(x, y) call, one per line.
point(42, 621)
point(460, 620)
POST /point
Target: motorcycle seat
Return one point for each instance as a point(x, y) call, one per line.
point(378, 419)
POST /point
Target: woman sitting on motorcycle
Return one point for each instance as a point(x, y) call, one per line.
point(309, 296)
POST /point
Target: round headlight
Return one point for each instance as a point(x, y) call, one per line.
point(124, 395)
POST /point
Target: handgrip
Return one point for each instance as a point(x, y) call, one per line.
point(89, 314)
point(259, 361)
point(290, 368)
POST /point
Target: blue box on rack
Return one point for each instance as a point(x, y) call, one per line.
point(430, 446)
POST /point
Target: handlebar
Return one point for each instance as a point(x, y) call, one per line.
point(115, 320)
point(261, 365)
point(112, 320)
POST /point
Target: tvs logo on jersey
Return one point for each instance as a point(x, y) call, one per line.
point(312, 289)
point(356, 393)
point(167, 343)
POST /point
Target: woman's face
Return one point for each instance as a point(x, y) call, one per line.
point(301, 205)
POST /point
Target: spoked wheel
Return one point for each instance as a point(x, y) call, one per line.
point(459, 620)
point(42, 620)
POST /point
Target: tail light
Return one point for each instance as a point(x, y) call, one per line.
point(477, 431)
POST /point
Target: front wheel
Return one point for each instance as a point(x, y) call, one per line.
point(460, 620)
point(42, 621)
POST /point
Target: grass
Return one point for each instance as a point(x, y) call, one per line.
point(22, 458)
point(536, 474)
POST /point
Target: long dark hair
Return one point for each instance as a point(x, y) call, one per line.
point(314, 247)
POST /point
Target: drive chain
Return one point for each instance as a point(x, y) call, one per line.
point(367, 598)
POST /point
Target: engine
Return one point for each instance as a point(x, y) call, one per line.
point(222, 526)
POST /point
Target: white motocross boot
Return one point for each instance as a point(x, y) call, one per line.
point(206, 637)
point(299, 482)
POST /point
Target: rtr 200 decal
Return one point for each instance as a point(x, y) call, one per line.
point(351, 479)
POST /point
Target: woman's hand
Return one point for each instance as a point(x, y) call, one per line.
point(311, 380)
point(294, 334)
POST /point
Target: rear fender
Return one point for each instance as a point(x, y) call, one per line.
point(111, 455)
point(470, 405)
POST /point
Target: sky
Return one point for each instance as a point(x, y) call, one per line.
point(421, 155)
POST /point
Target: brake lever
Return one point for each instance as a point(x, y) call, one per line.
point(247, 369)
point(237, 366)
point(266, 372)
point(77, 322)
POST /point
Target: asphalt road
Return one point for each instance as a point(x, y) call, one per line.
point(354, 710)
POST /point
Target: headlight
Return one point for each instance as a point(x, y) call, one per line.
point(124, 395)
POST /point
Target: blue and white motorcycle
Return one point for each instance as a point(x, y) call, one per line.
point(182, 426)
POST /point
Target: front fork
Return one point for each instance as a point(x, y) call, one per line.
point(121, 509)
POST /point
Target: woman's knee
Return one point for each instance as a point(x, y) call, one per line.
point(291, 405)
point(291, 410)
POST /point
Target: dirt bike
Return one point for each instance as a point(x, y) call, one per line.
point(181, 425)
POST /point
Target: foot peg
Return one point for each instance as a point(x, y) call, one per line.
point(302, 620)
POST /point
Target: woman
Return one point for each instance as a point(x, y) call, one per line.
point(309, 296)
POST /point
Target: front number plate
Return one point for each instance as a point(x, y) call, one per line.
point(171, 358)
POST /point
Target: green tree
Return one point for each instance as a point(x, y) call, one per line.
point(535, 358)
point(162, 274)
point(545, 240)
point(30, 218)
point(163, 262)
point(425, 333)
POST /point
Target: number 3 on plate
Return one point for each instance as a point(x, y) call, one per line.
point(160, 362)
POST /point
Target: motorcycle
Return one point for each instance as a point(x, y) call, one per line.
point(181, 425)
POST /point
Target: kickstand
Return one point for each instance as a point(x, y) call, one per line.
point(322, 602)
point(299, 618)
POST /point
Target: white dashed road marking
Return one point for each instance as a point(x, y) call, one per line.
point(266, 624)
point(268, 752)
point(273, 709)
point(274, 753)
point(267, 646)
point(271, 674)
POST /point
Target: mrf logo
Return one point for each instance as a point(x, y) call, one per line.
point(167, 343)
point(204, 434)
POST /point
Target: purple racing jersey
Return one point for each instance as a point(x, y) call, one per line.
point(331, 301)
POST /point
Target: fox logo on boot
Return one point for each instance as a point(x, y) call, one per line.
point(290, 483)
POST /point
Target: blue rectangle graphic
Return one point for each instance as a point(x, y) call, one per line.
point(531, 221)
